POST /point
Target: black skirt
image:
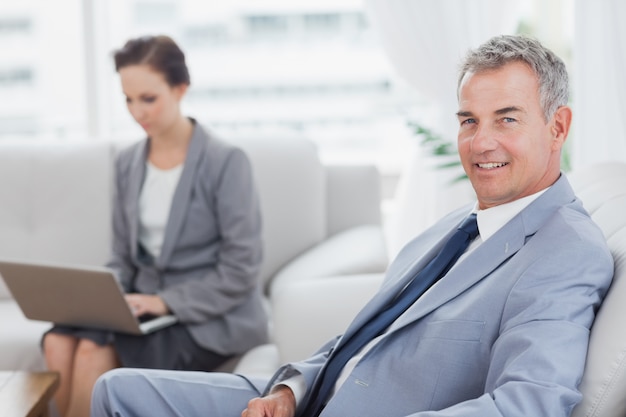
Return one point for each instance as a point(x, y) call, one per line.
point(169, 348)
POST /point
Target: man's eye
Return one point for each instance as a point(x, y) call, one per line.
point(468, 121)
point(509, 120)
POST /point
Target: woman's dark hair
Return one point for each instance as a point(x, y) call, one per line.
point(160, 52)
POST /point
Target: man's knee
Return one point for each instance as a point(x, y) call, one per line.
point(111, 388)
point(104, 382)
point(100, 398)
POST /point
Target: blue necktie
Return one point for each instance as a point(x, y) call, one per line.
point(435, 269)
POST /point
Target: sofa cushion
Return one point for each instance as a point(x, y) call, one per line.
point(292, 186)
point(353, 196)
point(603, 192)
point(57, 205)
point(604, 381)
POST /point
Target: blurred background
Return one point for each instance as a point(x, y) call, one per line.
point(358, 77)
point(313, 66)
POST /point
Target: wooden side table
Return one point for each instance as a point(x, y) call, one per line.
point(26, 394)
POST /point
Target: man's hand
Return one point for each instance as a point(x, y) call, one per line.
point(142, 304)
point(279, 403)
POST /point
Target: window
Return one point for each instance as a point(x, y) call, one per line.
point(42, 70)
point(312, 67)
point(256, 66)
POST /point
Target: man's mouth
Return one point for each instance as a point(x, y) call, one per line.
point(492, 165)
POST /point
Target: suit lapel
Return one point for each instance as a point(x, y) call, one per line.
point(490, 254)
point(135, 180)
point(182, 195)
point(485, 258)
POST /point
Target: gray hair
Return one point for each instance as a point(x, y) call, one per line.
point(504, 49)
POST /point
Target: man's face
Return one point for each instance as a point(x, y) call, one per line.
point(507, 148)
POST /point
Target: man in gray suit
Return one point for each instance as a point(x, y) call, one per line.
point(503, 333)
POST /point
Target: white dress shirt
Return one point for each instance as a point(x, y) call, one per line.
point(155, 203)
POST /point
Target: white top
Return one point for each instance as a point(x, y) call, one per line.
point(155, 202)
point(489, 222)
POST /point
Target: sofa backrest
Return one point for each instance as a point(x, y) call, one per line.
point(55, 202)
point(353, 197)
point(292, 187)
point(602, 188)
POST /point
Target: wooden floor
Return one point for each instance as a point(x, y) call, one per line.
point(26, 394)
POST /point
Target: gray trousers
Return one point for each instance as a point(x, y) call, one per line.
point(130, 392)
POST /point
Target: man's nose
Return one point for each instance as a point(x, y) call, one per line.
point(484, 139)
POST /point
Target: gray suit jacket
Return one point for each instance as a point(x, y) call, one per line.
point(504, 333)
point(207, 272)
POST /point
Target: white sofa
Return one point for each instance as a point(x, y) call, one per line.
point(602, 188)
point(320, 223)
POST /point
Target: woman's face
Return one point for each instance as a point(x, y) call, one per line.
point(152, 102)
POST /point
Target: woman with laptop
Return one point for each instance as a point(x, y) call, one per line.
point(186, 239)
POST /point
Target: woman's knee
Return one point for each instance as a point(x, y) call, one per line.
point(55, 344)
point(91, 354)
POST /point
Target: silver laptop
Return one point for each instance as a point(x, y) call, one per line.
point(81, 296)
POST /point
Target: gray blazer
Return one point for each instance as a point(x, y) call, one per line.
point(504, 333)
point(207, 272)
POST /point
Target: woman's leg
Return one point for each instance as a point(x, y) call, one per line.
point(90, 361)
point(59, 352)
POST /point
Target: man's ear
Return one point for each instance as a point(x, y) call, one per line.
point(561, 122)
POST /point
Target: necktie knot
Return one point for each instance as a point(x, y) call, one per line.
point(470, 226)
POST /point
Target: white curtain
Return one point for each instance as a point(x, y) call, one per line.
point(425, 41)
point(599, 82)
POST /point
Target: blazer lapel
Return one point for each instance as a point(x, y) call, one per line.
point(485, 258)
point(182, 195)
point(135, 180)
point(491, 253)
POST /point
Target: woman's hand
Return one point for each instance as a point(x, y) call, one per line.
point(141, 304)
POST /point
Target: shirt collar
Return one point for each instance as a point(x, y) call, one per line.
point(492, 219)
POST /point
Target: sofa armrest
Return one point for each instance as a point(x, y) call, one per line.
point(20, 339)
point(358, 250)
point(261, 361)
point(308, 313)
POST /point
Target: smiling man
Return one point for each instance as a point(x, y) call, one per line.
point(498, 328)
point(509, 140)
